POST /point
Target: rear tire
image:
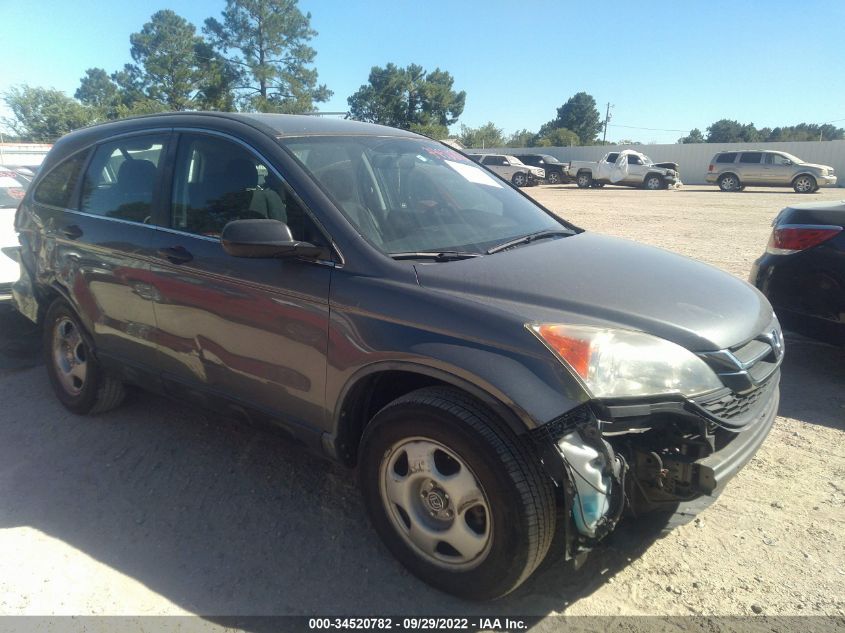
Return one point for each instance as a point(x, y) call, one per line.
point(459, 499)
point(729, 182)
point(584, 180)
point(553, 178)
point(78, 380)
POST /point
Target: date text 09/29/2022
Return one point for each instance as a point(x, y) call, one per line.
point(418, 624)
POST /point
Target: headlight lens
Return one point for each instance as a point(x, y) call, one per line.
point(621, 363)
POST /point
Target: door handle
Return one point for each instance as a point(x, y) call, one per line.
point(176, 254)
point(72, 232)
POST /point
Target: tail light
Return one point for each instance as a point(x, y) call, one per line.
point(791, 238)
point(711, 167)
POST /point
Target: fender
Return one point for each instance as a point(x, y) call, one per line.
point(523, 397)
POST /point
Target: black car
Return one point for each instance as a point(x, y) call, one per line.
point(498, 376)
point(555, 170)
point(803, 270)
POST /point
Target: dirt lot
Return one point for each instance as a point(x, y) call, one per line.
point(158, 509)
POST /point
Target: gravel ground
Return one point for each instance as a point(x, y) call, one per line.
point(159, 509)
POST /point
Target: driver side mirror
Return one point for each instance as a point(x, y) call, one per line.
point(787, 162)
point(264, 239)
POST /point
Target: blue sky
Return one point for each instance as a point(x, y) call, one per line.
point(669, 65)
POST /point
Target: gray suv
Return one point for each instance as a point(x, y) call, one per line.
point(498, 376)
point(733, 171)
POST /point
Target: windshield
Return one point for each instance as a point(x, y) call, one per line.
point(411, 195)
point(513, 160)
point(12, 188)
point(794, 159)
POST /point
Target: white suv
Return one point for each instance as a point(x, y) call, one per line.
point(511, 168)
point(12, 188)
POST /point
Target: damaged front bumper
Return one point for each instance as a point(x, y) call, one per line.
point(659, 456)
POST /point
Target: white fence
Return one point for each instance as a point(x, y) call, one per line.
point(694, 158)
point(23, 154)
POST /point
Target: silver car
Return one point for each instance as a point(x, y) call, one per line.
point(733, 171)
point(511, 168)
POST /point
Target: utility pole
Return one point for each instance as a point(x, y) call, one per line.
point(606, 119)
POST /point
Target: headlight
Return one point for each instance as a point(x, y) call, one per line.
point(615, 363)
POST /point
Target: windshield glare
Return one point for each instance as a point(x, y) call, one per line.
point(412, 195)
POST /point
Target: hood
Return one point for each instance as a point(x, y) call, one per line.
point(815, 166)
point(594, 279)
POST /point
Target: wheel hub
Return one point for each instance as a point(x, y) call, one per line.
point(436, 501)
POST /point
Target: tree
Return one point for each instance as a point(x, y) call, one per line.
point(521, 138)
point(44, 114)
point(550, 135)
point(488, 135)
point(96, 89)
point(405, 97)
point(729, 131)
point(694, 136)
point(268, 41)
point(580, 115)
point(164, 52)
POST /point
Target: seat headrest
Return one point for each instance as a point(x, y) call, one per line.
point(136, 175)
point(340, 184)
point(241, 174)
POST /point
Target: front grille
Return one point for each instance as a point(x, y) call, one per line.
point(733, 405)
point(749, 373)
point(745, 368)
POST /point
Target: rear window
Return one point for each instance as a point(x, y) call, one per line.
point(726, 158)
point(56, 188)
point(751, 157)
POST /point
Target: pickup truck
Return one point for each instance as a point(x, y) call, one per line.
point(628, 168)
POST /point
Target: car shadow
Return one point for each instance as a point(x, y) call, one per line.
point(20, 341)
point(813, 382)
point(227, 518)
point(786, 191)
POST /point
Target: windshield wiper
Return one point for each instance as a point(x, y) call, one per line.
point(527, 239)
point(442, 256)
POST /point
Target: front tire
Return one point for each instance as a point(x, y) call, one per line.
point(519, 179)
point(455, 495)
point(553, 178)
point(78, 380)
point(804, 184)
point(653, 182)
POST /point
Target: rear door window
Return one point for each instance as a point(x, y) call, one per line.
point(121, 179)
point(728, 157)
point(751, 158)
point(57, 187)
